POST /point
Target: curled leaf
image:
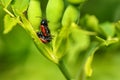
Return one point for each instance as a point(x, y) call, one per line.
point(87, 68)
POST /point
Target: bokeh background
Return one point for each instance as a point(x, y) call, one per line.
point(20, 59)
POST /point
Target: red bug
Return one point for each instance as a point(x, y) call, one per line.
point(44, 39)
point(44, 35)
point(44, 28)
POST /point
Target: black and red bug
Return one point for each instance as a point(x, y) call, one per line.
point(44, 39)
point(44, 27)
point(44, 35)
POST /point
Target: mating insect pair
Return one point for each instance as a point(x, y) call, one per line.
point(44, 35)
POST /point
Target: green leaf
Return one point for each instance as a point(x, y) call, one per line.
point(90, 22)
point(6, 3)
point(54, 13)
point(54, 10)
point(9, 23)
point(20, 6)
point(108, 29)
point(71, 14)
point(34, 16)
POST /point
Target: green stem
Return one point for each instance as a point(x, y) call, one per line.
point(8, 12)
point(64, 70)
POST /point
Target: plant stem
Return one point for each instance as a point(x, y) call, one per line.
point(8, 12)
point(64, 70)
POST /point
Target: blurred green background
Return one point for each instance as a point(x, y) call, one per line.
point(20, 59)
